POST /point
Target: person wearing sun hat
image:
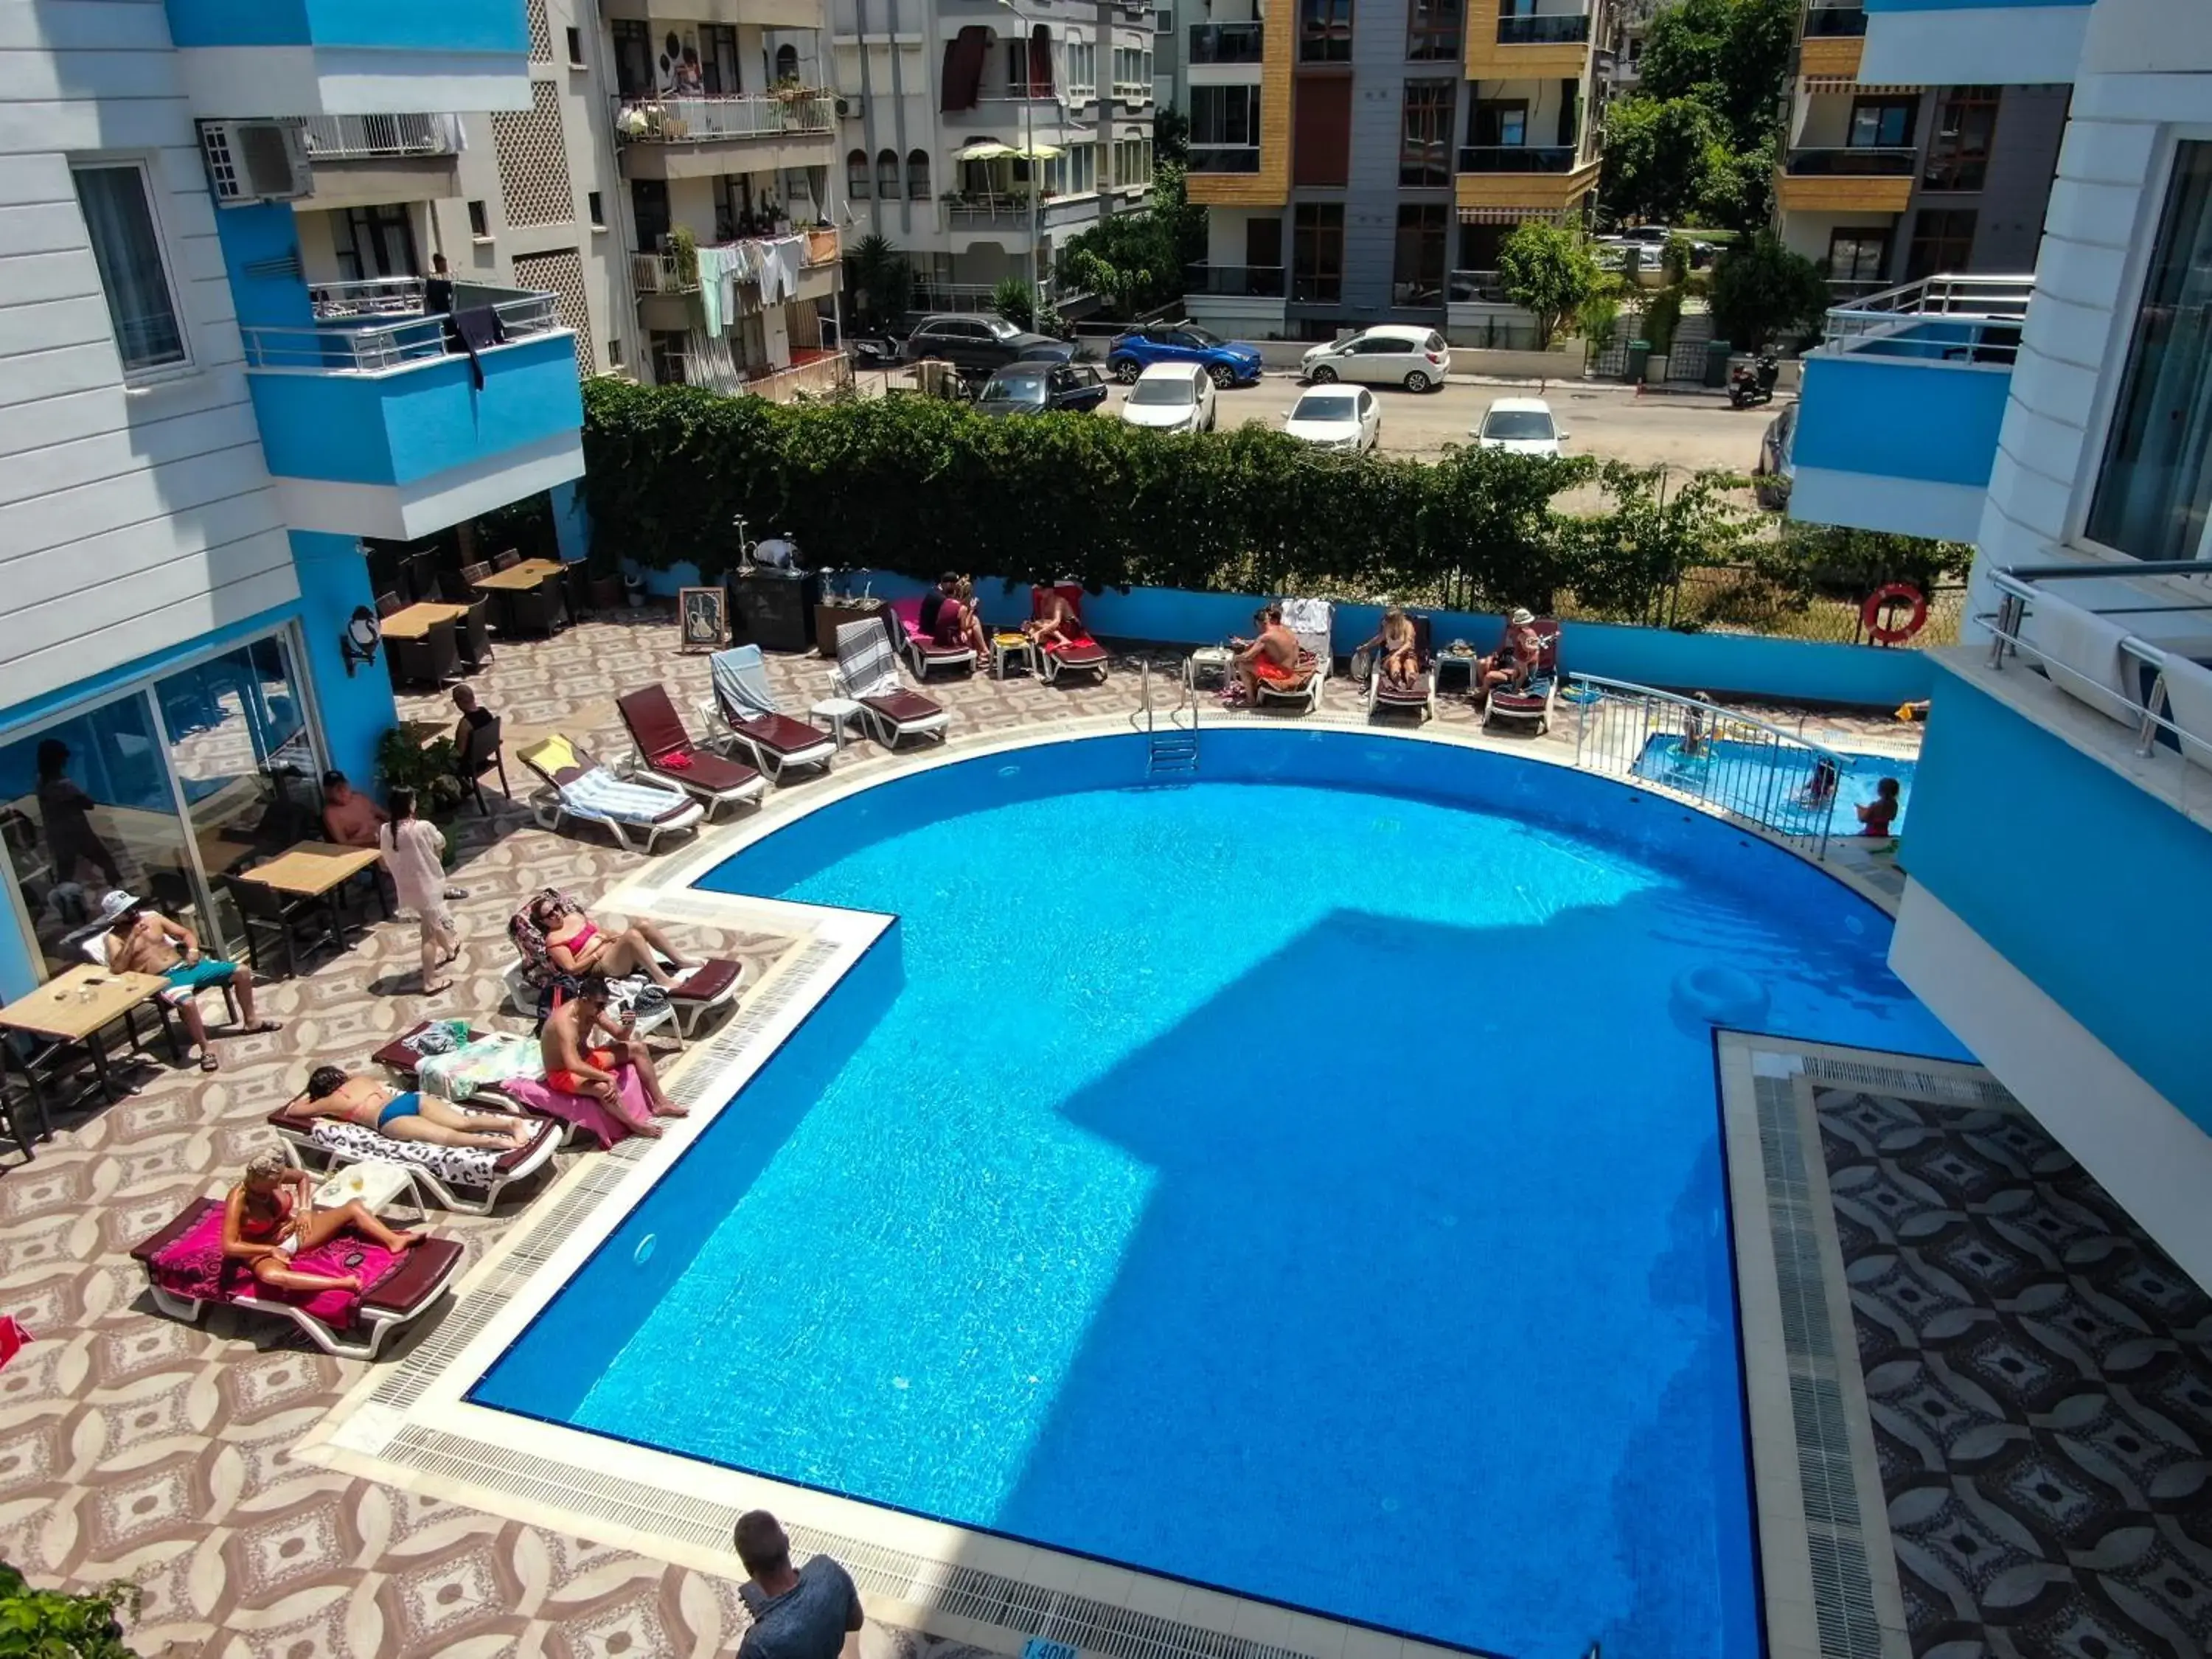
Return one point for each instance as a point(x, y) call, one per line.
point(140, 939)
point(1515, 658)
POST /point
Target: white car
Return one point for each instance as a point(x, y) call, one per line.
point(1391, 355)
point(1171, 397)
point(1522, 425)
point(1337, 418)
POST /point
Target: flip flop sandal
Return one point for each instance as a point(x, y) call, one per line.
point(208, 1061)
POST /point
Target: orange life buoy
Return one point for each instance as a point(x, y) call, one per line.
point(1870, 613)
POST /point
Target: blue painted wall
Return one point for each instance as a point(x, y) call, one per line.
point(265, 231)
point(357, 709)
point(1999, 807)
point(438, 26)
point(1889, 417)
point(414, 423)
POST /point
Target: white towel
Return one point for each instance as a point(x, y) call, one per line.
point(2188, 706)
point(2082, 656)
point(1306, 615)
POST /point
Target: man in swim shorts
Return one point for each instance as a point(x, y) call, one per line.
point(1272, 658)
point(142, 940)
point(589, 1053)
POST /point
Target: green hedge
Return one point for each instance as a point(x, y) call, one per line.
point(919, 486)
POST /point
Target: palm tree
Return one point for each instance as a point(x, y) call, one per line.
point(882, 281)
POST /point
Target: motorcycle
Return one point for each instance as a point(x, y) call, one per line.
point(1753, 383)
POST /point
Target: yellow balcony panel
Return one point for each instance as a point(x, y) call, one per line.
point(1538, 193)
point(1841, 193)
point(1238, 188)
point(1834, 56)
point(1514, 45)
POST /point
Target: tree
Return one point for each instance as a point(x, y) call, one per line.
point(41, 1623)
point(1135, 261)
point(883, 282)
point(1013, 299)
point(1760, 290)
point(1731, 56)
point(1655, 156)
point(1546, 270)
point(1170, 138)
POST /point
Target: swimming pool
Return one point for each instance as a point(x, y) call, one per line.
point(1296, 1182)
point(1767, 783)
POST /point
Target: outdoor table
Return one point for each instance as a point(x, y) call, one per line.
point(75, 1006)
point(423, 734)
point(378, 1184)
point(503, 585)
point(415, 621)
point(316, 869)
point(1007, 649)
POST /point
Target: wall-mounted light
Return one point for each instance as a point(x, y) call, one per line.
point(358, 643)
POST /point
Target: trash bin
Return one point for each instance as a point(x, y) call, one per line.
point(1717, 362)
point(1639, 353)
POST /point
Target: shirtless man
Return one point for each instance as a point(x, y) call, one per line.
point(1056, 619)
point(576, 1063)
point(408, 1114)
point(350, 818)
point(1515, 658)
point(1273, 657)
point(142, 940)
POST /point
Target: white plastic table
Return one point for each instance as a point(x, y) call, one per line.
point(377, 1182)
point(834, 713)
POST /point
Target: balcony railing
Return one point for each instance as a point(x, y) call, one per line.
point(1569, 29)
point(348, 345)
point(1854, 162)
point(1944, 319)
point(704, 119)
point(376, 296)
point(363, 138)
point(987, 212)
point(1516, 158)
point(1226, 43)
point(1224, 158)
point(1470, 287)
point(1234, 281)
point(1834, 22)
point(661, 272)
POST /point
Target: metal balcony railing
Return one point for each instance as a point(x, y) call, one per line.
point(1224, 158)
point(1854, 162)
point(1227, 43)
point(1834, 22)
point(704, 119)
point(1516, 158)
point(1234, 281)
point(1469, 286)
point(1943, 318)
point(374, 296)
point(1567, 29)
point(661, 272)
point(349, 346)
point(363, 137)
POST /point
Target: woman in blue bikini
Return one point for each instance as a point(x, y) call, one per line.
point(406, 1115)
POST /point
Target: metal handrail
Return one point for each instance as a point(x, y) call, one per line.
point(353, 137)
point(371, 296)
point(692, 118)
point(342, 350)
point(1975, 319)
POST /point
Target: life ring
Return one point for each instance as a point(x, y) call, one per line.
point(1878, 601)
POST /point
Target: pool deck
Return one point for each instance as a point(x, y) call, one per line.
point(132, 1445)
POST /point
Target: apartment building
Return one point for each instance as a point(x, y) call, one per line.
point(1362, 161)
point(947, 108)
point(1885, 182)
point(2059, 415)
point(199, 438)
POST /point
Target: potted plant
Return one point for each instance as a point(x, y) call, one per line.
point(602, 573)
point(431, 769)
point(1661, 318)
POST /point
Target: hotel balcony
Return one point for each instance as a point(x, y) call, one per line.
point(1899, 412)
point(664, 283)
point(364, 161)
point(705, 136)
point(1996, 42)
point(283, 57)
point(2059, 865)
point(1539, 29)
point(1508, 39)
point(1834, 36)
point(1847, 179)
point(377, 422)
point(1218, 44)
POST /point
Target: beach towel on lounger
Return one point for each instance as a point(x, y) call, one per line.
point(457, 1166)
point(595, 792)
point(485, 1063)
point(741, 681)
point(195, 1266)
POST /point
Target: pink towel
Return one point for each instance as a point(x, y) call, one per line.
point(590, 1115)
point(12, 1336)
point(195, 1266)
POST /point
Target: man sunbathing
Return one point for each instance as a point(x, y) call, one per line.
point(409, 1114)
point(270, 1217)
point(577, 1065)
point(1273, 657)
point(1056, 622)
point(578, 945)
point(142, 940)
point(1515, 658)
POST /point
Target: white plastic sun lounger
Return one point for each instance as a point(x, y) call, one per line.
point(578, 786)
point(744, 710)
point(867, 674)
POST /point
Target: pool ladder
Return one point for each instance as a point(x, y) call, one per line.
point(1171, 745)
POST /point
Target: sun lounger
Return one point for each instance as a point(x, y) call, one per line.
point(666, 751)
point(1075, 649)
point(1419, 693)
point(1312, 621)
point(470, 1179)
point(744, 706)
point(578, 786)
point(867, 674)
point(705, 991)
point(186, 1271)
point(923, 651)
point(1533, 703)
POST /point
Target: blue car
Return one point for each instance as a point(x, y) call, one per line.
point(1228, 362)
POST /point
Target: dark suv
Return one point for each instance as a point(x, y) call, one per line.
point(978, 343)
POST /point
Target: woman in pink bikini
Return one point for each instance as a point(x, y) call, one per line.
point(270, 1217)
point(578, 945)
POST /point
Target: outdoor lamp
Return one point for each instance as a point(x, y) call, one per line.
point(358, 643)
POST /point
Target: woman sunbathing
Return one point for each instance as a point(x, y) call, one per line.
point(270, 1217)
point(1400, 660)
point(578, 945)
point(408, 1114)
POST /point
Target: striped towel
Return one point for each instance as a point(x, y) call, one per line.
point(600, 793)
point(865, 666)
point(741, 682)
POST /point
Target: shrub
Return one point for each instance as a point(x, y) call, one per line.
point(55, 1624)
point(1548, 271)
point(1015, 300)
point(426, 769)
point(1761, 289)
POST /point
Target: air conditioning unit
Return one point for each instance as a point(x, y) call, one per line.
point(849, 109)
point(256, 162)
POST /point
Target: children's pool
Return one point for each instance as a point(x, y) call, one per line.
point(1772, 784)
point(1299, 1182)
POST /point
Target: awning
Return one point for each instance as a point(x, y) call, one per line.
point(990, 149)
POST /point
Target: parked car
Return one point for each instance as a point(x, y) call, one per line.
point(1334, 418)
point(1172, 397)
point(1522, 425)
point(976, 343)
point(1229, 362)
point(1037, 388)
point(1392, 354)
point(1778, 461)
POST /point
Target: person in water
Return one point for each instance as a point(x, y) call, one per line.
point(408, 1114)
point(1878, 816)
point(270, 1217)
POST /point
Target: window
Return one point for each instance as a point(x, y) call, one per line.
point(1424, 148)
point(917, 175)
point(594, 211)
point(648, 206)
point(374, 241)
point(1324, 31)
point(1017, 68)
point(1082, 69)
point(718, 60)
point(2155, 487)
point(634, 77)
point(1857, 256)
point(786, 63)
point(887, 175)
point(1317, 252)
point(856, 176)
point(1163, 23)
point(576, 47)
point(670, 360)
point(1882, 123)
point(1959, 149)
point(479, 223)
point(1416, 275)
point(119, 213)
point(1498, 124)
point(1224, 129)
point(1432, 31)
point(1943, 240)
point(614, 354)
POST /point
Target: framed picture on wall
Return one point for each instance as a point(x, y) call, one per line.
point(704, 616)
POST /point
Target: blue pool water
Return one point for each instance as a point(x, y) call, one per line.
point(1298, 1184)
point(1760, 780)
